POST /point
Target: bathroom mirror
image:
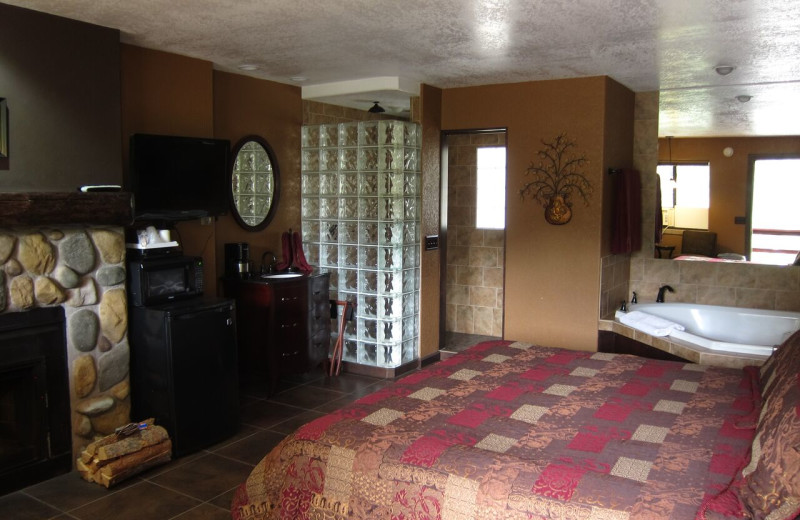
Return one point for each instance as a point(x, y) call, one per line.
point(255, 183)
point(706, 124)
point(735, 171)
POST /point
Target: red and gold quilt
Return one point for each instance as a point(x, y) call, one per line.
point(513, 431)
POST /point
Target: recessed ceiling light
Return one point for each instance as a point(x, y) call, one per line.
point(724, 70)
point(298, 79)
point(248, 66)
point(743, 98)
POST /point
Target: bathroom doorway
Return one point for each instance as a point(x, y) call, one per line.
point(473, 204)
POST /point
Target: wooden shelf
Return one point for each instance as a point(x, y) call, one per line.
point(64, 208)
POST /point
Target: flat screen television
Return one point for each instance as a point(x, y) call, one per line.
point(178, 178)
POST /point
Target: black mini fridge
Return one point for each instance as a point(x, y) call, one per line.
point(184, 370)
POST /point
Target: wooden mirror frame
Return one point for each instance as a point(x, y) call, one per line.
point(275, 183)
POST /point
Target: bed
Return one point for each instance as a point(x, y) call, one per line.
point(508, 430)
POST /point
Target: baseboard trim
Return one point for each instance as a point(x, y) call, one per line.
point(430, 359)
point(380, 372)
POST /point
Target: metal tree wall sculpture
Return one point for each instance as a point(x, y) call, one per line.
point(555, 178)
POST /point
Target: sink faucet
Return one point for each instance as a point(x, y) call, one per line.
point(268, 268)
point(660, 297)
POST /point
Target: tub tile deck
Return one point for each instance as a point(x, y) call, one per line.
point(683, 349)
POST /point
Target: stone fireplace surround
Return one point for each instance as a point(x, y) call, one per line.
point(68, 250)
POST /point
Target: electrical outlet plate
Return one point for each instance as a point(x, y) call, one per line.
point(668, 217)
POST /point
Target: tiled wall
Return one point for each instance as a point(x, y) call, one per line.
point(474, 256)
point(614, 283)
point(645, 159)
point(731, 284)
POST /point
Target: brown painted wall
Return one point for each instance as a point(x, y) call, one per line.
point(61, 81)
point(555, 269)
point(430, 118)
point(728, 177)
point(247, 106)
point(164, 93)
point(618, 136)
point(552, 272)
point(619, 145)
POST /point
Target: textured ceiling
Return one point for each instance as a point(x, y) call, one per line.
point(666, 45)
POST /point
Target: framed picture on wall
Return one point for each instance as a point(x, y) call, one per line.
point(3, 128)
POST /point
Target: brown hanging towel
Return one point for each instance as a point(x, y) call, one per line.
point(298, 257)
point(626, 233)
point(287, 253)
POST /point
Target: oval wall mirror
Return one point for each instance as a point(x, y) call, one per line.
point(255, 183)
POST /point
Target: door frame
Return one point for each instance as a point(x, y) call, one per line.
point(443, 205)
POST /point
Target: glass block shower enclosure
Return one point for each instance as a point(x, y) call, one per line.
point(360, 220)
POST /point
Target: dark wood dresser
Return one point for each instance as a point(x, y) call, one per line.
point(284, 325)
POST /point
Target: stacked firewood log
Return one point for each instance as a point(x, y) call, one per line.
point(130, 450)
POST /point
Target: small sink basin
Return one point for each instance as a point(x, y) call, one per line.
point(280, 275)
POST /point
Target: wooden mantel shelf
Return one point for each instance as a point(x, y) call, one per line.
point(65, 208)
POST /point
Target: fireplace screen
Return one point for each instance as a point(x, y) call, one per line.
point(34, 398)
point(23, 410)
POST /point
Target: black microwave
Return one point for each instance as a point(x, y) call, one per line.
point(152, 281)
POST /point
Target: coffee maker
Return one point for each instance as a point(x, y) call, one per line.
point(237, 260)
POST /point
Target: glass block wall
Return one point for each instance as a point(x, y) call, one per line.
point(360, 220)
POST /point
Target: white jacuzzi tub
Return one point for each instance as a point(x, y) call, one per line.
point(726, 329)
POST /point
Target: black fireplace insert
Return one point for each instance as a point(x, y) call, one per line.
point(35, 434)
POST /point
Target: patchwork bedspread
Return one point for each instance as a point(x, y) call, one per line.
point(513, 431)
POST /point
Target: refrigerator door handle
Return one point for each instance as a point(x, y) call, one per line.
point(205, 312)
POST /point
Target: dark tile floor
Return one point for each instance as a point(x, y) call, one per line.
point(459, 341)
point(198, 486)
